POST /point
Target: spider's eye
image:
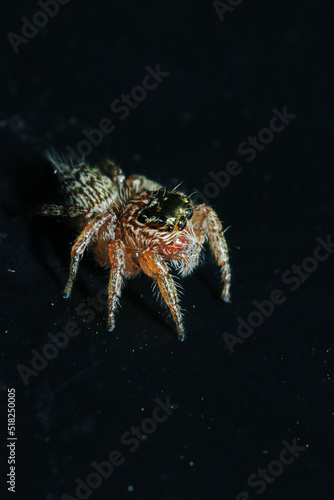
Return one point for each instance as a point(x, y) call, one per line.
point(189, 213)
point(182, 223)
point(142, 218)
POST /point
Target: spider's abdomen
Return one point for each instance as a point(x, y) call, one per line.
point(87, 187)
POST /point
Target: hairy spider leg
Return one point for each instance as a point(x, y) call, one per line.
point(154, 266)
point(213, 230)
point(81, 244)
point(113, 170)
point(60, 211)
point(117, 267)
point(139, 183)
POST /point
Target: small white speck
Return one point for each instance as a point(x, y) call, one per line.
point(130, 488)
point(11, 270)
point(191, 464)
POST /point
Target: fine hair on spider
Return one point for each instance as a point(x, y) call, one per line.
point(132, 225)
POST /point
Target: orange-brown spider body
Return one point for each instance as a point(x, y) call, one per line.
point(133, 224)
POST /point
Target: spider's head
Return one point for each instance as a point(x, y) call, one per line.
point(166, 211)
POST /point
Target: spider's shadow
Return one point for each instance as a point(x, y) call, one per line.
point(36, 184)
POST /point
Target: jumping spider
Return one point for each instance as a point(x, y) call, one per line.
point(134, 224)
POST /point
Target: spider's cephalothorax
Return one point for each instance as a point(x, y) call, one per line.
point(134, 224)
point(166, 211)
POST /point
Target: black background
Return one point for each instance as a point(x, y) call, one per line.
point(235, 410)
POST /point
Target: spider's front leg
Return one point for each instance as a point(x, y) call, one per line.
point(211, 226)
point(90, 231)
point(117, 265)
point(154, 266)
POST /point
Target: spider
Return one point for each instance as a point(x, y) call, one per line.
point(133, 224)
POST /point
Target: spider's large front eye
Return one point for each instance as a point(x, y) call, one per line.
point(142, 218)
point(182, 223)
point(189, 213)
